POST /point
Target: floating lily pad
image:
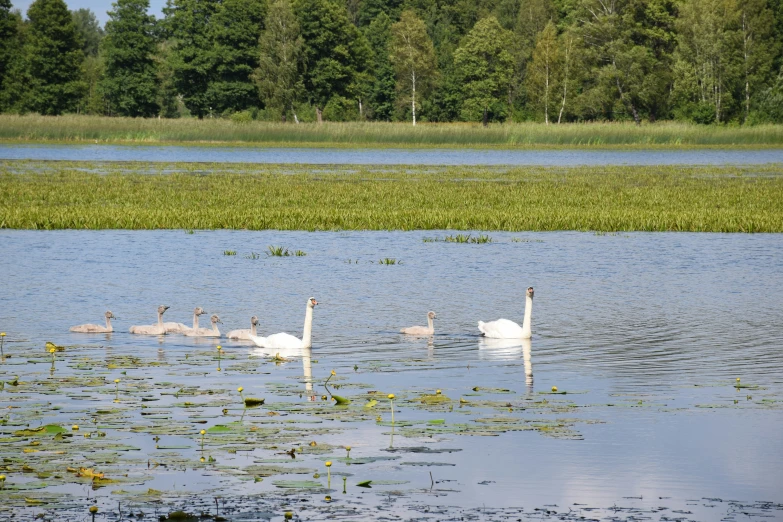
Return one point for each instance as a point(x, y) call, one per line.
point(297, 484)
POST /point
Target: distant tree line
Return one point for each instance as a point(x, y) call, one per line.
point(707, 61)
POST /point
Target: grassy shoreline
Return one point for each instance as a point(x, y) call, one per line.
point(138, 196)
point(222, 132)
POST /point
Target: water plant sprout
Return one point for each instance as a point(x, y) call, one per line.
point(93, 511)
point(391, 401)
point(240, 389)
point(220, 352)
point(116, 390)
point(2, 481)
point(554, 389)
point(328, 465)
point(348, 452)
point(2, 340)
point(203, 432)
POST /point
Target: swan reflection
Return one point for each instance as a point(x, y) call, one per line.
point(307, 364)
point(506, 349)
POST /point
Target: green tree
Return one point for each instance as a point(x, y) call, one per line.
point(485, 67)
point(130, 80)
point(413, 57)
point(709, 60)
point(235, 30)
point(335, 52)
point(544, 71)
point(369, 10)
point(627, 49)
point(193, 56)
point(279, 73)
point(382, 90)
point(759, 47)
point(93, 101)
point(89, 29)
point(11, 41)
point(53, 53)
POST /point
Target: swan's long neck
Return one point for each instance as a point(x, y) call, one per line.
point(429, 323)
point(253, 329)
point(160, 319)
point(308, 328)
point(195, 321)
point(526, 332)
point(108, 322)
point(215, 328)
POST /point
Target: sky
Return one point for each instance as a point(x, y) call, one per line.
point(96, 6)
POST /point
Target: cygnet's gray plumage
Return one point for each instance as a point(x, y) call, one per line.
point(422, 330)
point(180, 327)
point(244, 334)
point(152, 329)
point(95, 328)
point(205, 332)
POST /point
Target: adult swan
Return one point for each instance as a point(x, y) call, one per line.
point(284, 341)
point(505, 329)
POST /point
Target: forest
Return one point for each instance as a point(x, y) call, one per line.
point(553, 61)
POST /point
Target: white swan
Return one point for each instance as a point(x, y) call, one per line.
point(180, 327)
point(95, 328)
point(505, 329)
point(205, 332)
point(244, 334)
point(153, 329)
point(422, 330)
point(284, 341)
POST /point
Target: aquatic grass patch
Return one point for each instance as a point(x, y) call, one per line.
point(86, 195)
point(468, 238)
point(153, 131)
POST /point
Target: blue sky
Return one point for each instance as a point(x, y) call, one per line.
point(96, 6)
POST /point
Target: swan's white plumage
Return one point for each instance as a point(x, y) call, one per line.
point(506, 329)
point(501, 329)
point(285, 341)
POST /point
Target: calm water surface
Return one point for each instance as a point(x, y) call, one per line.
point(647, 332)
point(390, 156)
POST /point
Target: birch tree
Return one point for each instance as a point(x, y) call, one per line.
point(413, 57)
point(543, 73)
point(279, 75)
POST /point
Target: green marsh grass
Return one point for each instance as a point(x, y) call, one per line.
point(278, 251)
point(74, 128)
point(96, 195)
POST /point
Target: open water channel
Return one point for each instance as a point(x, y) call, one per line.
point(556, 157)
point(646, 333)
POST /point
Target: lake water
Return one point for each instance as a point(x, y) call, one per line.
point(553, 157)
point(647, 334)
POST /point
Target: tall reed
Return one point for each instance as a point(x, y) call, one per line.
point(73, 128)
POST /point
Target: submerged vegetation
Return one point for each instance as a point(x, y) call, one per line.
point(381, 134)
point(96, 195)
